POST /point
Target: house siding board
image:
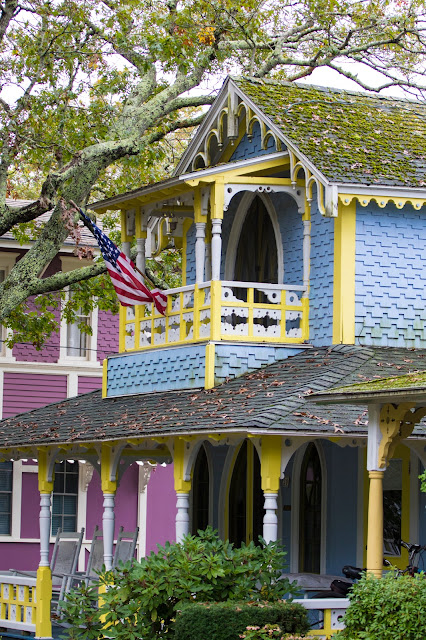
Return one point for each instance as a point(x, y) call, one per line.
point(390, 298)
point(24, 391)
point(251, 148)
point(107, 334)
point(234, 360)
point(26, 352)
point(321, 278)
point(89, 383)
point(190, 255)
point(22, 556)
point(291, 229)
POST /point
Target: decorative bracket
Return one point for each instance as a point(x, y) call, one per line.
point(232, 189)
point(396, 423)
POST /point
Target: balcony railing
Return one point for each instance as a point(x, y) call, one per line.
point(18, 603)
point(219, 310)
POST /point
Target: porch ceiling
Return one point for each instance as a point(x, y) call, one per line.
point(275, 399)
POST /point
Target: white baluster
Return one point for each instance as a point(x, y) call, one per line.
point(44, 528)
point(108, 521)
point(125, 247)
point(216, 247)
point(140, 255)
point(270, 520)
point(200, 251)
point(182, 516)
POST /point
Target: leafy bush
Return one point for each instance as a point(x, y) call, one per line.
point(141, 600)
point(229, 620)
point(389, 608)
point(271, 632)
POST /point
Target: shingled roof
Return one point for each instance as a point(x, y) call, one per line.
point(351, 137)
point(274, 399)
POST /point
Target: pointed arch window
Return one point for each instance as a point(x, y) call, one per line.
point(310, 511)
point(245, 497)
point(200, 492)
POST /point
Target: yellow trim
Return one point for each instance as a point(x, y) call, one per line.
point(198, 217)
point(270, 463)
point(44, 595)
point(209, 366)
point(187, 223)
point(122, 329)
point(124, 236)
point(44, 485)
point(215, 318)
point(382, 201)
point(375, 524)
point(105, 378)
point(344, 275)
point(181, 485)
point(108, 485)
point(217, 197)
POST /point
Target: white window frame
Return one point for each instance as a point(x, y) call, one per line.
point(7, 262)
point(69, 264)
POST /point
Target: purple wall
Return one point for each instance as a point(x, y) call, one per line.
point(24, 556)
point(26, 391)
point(161, 508)
point(126, 502)
point(107, 334)
point(88, 383)
point(30, 506)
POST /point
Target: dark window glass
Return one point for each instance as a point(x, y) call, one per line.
point(310, 512)
point(65, 494)
point(6, 471)
point(200, 492)
point(246, 509)
point(392, 507)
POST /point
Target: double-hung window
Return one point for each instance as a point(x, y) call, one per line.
point(65, 497)
point(78, 341)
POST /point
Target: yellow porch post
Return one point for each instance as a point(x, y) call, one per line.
point(182, 488)
point(270, 470)
point(44, 576)
point(375, 524)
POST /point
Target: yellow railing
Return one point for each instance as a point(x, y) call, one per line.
point(18, 602)
point(328, 614)
point(219, 310)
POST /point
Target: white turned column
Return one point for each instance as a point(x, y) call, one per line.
point(108, 521)
point(44, 528)
point(125, 247)
point(140, 254)
point(200, 251)
point(270, 519)
point(182, 516)
point(306, 252)
point(216, 247)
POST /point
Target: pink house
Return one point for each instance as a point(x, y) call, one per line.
point(70, 364)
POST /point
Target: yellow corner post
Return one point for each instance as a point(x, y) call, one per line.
point(105, 378)
point(209, 366)
point(44, 576)
point(181, 485)
point(344, 275)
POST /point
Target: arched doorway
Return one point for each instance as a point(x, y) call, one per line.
point(256, 258)
point(200, 492)
point(310, 516)
point(245, 497)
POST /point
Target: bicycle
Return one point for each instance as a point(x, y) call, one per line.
point(415, 554)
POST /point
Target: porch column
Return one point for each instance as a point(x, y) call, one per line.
point(182, 488)
point(141, 241)
point(375, 495)
point(109, 488)
point(44, 576)
point(216, 247)
point(270, 470)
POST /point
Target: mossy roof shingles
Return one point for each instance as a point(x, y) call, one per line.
point(350, 137)
point(275, 398)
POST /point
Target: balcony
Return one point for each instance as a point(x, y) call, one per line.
point(250, 312)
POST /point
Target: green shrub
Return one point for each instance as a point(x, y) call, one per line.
point(389, 608)
point(140, 601)
point(229, 620)
point(271, 632)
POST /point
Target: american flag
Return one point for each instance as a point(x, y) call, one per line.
point(127, 283)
